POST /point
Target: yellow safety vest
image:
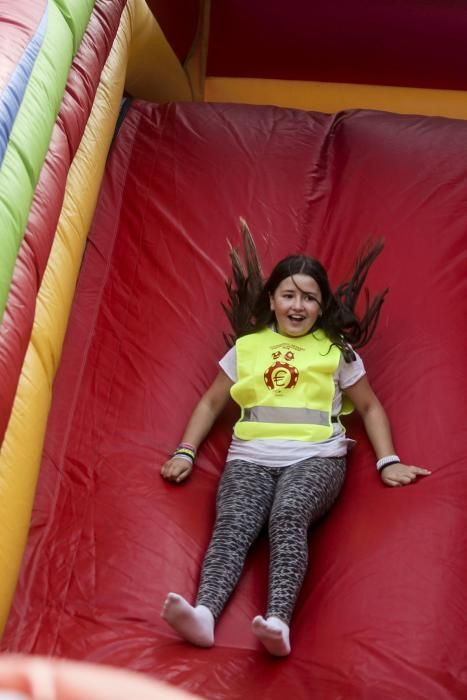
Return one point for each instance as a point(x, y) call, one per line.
point(285, 386)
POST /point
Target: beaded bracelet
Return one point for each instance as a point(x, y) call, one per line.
point(183, 456)
point(185, 451)
point(188, 445)
point(386, 461)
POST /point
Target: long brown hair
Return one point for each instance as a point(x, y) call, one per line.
point(248, 307)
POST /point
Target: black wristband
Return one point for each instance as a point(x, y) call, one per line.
point(396, 461)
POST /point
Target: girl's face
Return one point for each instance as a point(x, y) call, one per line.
point(296, 303)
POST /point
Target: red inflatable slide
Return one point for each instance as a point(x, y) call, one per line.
point(382, 613)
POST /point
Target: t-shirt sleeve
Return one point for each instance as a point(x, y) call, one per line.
point(350, 372)
point(228, 363)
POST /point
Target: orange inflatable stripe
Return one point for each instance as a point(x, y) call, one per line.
point(334, 97)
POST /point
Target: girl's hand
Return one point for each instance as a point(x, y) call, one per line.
point(176, 469)
point(402, 474)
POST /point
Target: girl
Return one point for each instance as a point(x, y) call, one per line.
point(294, 372)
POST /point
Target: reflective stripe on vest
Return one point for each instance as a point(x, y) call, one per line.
point(285, 386)
point(274, 414)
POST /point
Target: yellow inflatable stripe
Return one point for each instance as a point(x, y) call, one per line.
point(154, 72)
point(21, 450)
point(333, 97)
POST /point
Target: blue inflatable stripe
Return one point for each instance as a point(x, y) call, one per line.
point(12, 96)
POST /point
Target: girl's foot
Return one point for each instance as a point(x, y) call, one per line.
point(273, 634)
point(195, 624)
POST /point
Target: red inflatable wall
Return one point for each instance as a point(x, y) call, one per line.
point(381, 615)
point(374, 42)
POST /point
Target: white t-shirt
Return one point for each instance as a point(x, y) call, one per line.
point(280, 453)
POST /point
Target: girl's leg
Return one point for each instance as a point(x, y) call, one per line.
point(305, 491)
point(244, 500)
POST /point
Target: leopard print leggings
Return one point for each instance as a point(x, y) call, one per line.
point(293, 497)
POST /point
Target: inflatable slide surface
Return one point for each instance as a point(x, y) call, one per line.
point(154, 207)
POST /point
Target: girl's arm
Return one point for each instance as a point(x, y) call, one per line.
point(199, 425)
point(379, 433)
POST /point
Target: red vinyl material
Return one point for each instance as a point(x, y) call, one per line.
point(381, 614)
point(84, 76)
point(413, 43)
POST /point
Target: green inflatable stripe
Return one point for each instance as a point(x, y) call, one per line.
point(76, 14)
point(30, 136)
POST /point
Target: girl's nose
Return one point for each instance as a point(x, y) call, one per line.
point(297, 303)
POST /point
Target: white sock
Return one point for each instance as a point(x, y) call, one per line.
point(195, 624)
point(273, 633)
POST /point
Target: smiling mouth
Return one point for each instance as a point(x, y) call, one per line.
point(296, 318)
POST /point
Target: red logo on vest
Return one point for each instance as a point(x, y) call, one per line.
point(281, 375)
